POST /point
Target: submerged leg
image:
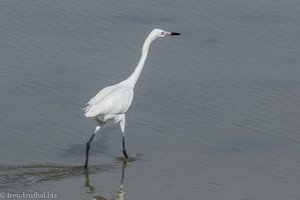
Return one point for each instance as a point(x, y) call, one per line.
point(88, 146)
point(122, 125)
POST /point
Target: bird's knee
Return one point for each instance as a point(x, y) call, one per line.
point(97, 129)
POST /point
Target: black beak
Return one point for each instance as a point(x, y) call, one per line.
point(174, 33)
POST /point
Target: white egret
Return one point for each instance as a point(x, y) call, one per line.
point(112, 102)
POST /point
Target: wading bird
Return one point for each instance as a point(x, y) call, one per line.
point(112, 102)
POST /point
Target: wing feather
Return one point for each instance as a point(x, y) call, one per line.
point(110, 100)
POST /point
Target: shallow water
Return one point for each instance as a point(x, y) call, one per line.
point(216, 110)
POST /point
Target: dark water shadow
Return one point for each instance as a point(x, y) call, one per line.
point(12, 177)
point(20, 177)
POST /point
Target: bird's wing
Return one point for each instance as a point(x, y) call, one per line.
point(97, 98)
point(115, 101)
point(102, 93)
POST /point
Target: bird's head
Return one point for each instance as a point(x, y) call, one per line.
point(158, 33)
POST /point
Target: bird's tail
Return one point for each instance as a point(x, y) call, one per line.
point(86, 109)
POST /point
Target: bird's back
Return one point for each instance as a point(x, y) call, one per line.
point(114, 99)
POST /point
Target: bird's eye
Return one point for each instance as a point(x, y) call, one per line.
point(162, 33)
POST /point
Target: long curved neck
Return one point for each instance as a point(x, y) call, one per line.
point(132, 79)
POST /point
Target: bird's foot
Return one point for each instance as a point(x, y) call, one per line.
point(130, 158)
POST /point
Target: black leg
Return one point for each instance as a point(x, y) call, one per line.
point(88, 146)
point(124, 148)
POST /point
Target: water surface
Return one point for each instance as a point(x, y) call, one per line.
point(216, 110)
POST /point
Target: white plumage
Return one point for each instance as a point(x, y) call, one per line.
point(112, 102)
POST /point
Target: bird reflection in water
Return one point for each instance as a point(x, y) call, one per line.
point(119, 194)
